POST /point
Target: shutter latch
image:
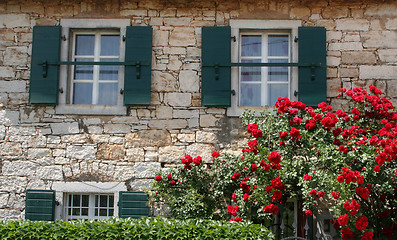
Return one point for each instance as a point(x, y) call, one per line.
point(216, 71)
point(138, 70)
point(45, 68)
point(121, 91)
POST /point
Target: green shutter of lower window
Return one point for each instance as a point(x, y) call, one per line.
point(40, 205)
point(44, 79)
point(216, 82)
point(137, 79)
point(312, 81)
point(133, 204)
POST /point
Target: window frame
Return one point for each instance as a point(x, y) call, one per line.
point(64, 188)
point(68, 27)
point(276, 26)
point(91, 206)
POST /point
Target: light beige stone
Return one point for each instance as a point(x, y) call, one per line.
point(335, 12)
point(163, 82)
point(160, 38)
point(334, 35)
point(333, 85)
point(378, 72)
point(388, 55)
point(201, 149)
point(14, 20)
point(391, 24)
point(148, 138)
point(182, 36)
point(352, 24)
point(185, 113)
point(300, 12)
point(135, 154)
point(345, 46)
point(116, 128)
point(176, 99)
point(358, 57)
point(206, 137)
point(381, 10)
point(171, 154)
point(348, 72)
point(7, 72)
point(134, 12)
point(174, 63)
point(186, 137)
point(376, 39)
point(180, 21)
point(208, 120)
point(110, 152)
point(189, 81)
point(333, 61)
point(166, 124)
point(164, 112)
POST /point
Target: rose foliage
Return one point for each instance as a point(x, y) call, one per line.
point(345, 159)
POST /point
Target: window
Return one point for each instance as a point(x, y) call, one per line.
point(91, 66)
point(95, 84)
point(89, 206)
point(261, 86)
point(266, 42)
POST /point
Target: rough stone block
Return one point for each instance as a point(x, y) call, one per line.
point(50, 172)
point(300, 12)
point(182, 36)
point(7, 72)
point(180, 21)
point(146, 169)
point(358, 57)
point(13, 184)
point(140, 184)
point(164, 112)
point(171, 154)
point(388, 55)
point(378, 72)
point(208, 120)
point(19, 168)
point(178, 99)
point(335, 12)
point(12, 86)
point(189, 81)
point(348, 72)
point(167, 124)
point(381, 10)
point(14, 20)
point(10, 149)
point(110, 152)
point(135, 154)
point(376, 39)
point(203, 150)
point(86, 152)
point(34, 153)
point(148, 138)
point(123, 172)
point(16, 56)
point(185, 113)
point(163, 82)
point(64, 128)
point(160, 38)
point(391, 24)
point(116, 128)
point(9, 118)
point(206, 137)
point(352, 24)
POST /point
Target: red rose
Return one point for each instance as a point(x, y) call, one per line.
point(362, 223)
point(277, 195)
point(307, 177)
point(335, 195)
point(376, 168)
point(238, 219)
point(169, 177)
point(367, 236)
point(274, 157)
point(254, 167)
point(347, 234)
point(158, 178)
point(216, 154)
point(308, 212)
point(313, 192)
point(246, 196)
point(235, 176)
point(256, 133)
point(197, 161)
point(343, 220)
point(172, 182)
point(321, 193)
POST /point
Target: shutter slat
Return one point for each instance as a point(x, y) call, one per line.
point(216, 49)
point(46, 47)
point(133, 204)
point(312, 49)
point(138, 48)
point(40, 205)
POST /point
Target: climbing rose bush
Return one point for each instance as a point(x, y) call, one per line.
point(345, 157)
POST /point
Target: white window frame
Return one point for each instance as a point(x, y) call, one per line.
point(91, 206)
point(68, 25)
point(261, 26)
point(64, 188)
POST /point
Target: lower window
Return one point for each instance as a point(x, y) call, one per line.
point(89, 206)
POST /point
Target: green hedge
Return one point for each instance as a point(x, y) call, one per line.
point(144, 228)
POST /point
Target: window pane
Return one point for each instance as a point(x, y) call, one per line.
point(85, 44)
point(84, 200)
point(278, 45)
point(275, 91)
point(84, 212)
point(278, 73)
point(76, 200)
point(107, 94)
point(250, 95)
point(111, 201)
point(96, 211)
point(249, 74)
point(82, 93)
point(110, 45)
point(111, 212)
point(76, 211)
point(109, 72)
point(83, 72)
point(103, 201)
point(251, 45)
point(103, 212)
point(96, 200)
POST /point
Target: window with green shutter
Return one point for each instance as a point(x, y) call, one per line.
point(253, 62)
point(87, 66)
point(133, 204)
point(40, 205)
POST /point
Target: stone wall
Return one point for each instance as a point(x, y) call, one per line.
point(39, 147)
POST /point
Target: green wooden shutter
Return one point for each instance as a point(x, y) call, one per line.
point(133, 204)
point(40, 205)
point(44, 81)
point(137, 80)
point(216, 82)
point(312, 49)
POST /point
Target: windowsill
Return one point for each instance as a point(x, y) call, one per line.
point(77, 109)
point(237, 111)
